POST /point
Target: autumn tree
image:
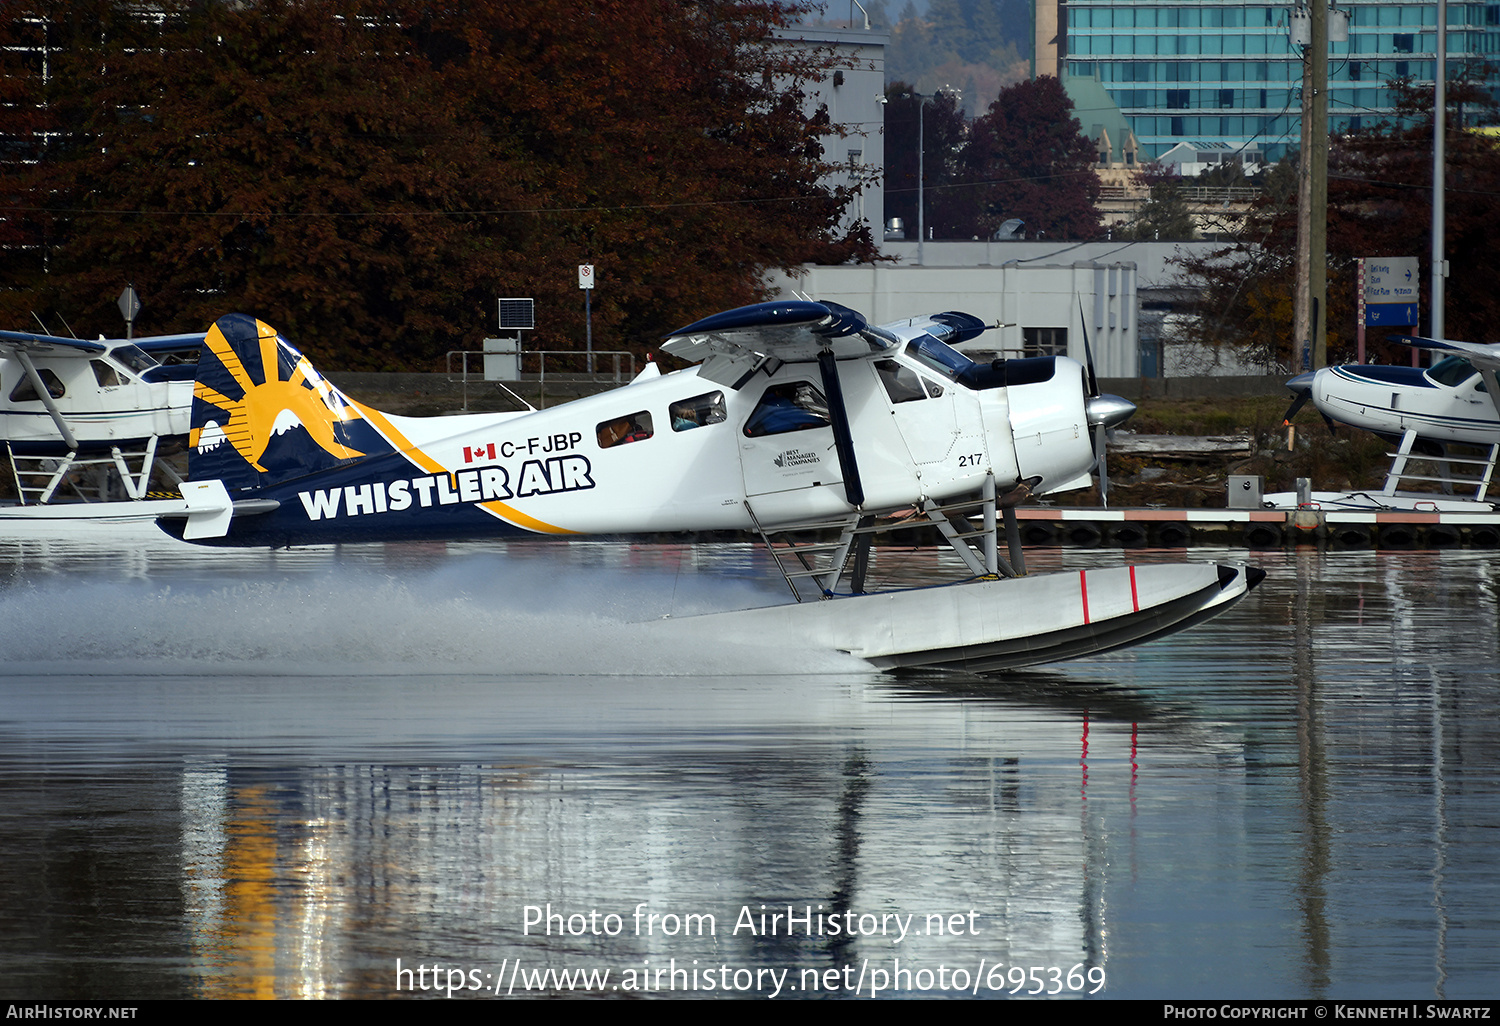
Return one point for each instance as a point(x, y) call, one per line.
point(944, 130)
point(370, 174)
point(1165, 213)
point(1026, 158)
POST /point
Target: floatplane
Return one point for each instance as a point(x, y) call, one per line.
point(798, 421)
point(1444, 421)
point(86, 424)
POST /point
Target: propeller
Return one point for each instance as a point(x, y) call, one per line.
point(1301, 387)
point(1103, 412)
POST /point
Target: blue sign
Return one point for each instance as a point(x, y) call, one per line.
point(1389, 315)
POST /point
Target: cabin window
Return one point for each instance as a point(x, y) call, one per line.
point(134, 357)
point(24, 393)
point(106, 375)
point(634, 427)
point(938, 355)
point(699, 411)
point(1451, 370)
point(794, 406)
point(903, 384)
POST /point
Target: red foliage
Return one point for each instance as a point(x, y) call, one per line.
point(1026, 158)
point(370, 175)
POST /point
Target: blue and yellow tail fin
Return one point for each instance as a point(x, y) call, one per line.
point(262, 414)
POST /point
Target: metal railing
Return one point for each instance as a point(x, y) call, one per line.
point(562, 363)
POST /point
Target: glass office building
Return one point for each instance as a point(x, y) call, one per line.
point(1191, 70)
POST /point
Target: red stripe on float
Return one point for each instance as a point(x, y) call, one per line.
point(1083, 588)
point(1135, 598)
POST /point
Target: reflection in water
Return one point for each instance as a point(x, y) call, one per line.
point(276, 775)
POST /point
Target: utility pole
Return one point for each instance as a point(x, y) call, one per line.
point(1439, 171)
point(1312, 194)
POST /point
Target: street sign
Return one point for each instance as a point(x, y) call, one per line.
point(129, 304)
point(1391, 315)
point(585, 276)
point(1391, 287)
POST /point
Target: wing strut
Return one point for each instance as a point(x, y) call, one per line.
point(46, 397)
point(843, 438)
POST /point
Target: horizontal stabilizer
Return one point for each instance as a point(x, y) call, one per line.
point(209, 510)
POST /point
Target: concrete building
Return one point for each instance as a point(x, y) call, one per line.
point(853, 97)
point(1043, 295)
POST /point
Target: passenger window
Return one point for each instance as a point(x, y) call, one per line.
point(24, 393)
point(635, 427)
point(106, 375)
point(796, 406)
point(699, 411)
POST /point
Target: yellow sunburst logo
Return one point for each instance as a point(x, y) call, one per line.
point(262, 408)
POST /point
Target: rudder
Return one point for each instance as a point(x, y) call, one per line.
point(262, 414)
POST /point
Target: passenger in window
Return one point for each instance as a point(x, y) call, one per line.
point(634, 428)
point(697, 411)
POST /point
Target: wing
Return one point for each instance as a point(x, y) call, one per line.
point(1480, 355)
point(55, 345)
point(789, 331)
point(166, 343)
point(12, 342)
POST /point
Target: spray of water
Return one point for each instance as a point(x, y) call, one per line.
point(485, 614)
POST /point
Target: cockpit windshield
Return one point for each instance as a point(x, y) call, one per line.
point(938, 355)
point(1451, 371)
point(134, 358)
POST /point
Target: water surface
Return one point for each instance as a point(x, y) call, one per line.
point(237, 774)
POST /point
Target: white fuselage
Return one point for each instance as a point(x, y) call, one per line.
point(678, 452)
point(1447, 402)
point(102, 401)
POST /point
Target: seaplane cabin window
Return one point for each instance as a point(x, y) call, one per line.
point(939, 355)
point(635, 427)
point(903, 384)
point(135, 358)
point(794, 406)
point(699, 411)
point(1452, 371)
point(106, 375)
point(24, 393)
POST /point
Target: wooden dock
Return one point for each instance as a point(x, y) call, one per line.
point(1256, 528)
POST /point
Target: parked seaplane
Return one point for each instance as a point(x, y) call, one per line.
point(1425, 411)
point(798, 416)
point(86, 420)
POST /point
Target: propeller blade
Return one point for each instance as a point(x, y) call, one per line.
point(1100, 454)
point(1088, 352)
point(1104, 412)
point(1301, 387)
point(1291, 411)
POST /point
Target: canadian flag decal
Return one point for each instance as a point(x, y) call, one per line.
point(481, 452)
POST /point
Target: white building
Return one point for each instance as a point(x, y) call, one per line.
point(852, 95)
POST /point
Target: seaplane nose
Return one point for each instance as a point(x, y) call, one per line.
point(1302, 382)
point(1108, 410)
